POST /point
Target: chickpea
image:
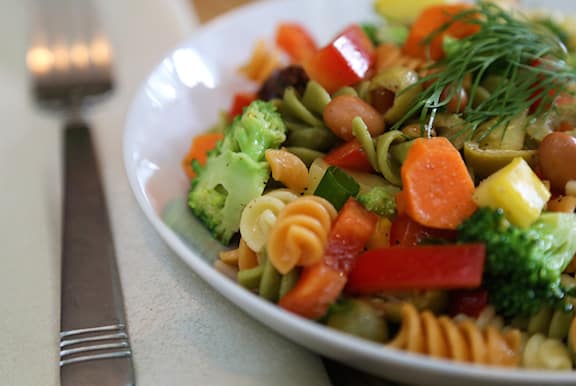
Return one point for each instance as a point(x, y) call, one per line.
point(557, 154)
point(565, 204)
point(340, 112)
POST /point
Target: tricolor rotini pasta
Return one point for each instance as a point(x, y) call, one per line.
point(464, 341)
point(261, 214)
point(299, 235)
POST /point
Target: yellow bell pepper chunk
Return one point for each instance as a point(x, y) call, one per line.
point(517, 190)
point(403, 11)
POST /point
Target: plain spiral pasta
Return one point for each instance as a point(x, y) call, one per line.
point(541, 352)
point(260, 215)
point(300, 233)
point(442, 337)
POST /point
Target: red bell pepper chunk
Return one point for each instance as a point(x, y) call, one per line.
point(240, 101)
point(349, 155)
point(421, 267)
point(408, 233)
point(318, 286)
point(468, 302)
point(321, 284)
point(350, 232)
point(295, 41)
point(343, 62)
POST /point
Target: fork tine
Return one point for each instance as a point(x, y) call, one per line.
point(73, 53)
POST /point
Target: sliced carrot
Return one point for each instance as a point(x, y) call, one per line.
point(295, 41)
point(201, 145)
point(437, 188)
point(429, 21)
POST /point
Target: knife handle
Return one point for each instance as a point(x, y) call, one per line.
point(94, 344)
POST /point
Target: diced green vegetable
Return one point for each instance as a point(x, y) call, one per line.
point(337, 186)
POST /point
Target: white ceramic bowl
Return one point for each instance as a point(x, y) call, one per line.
point(182, 97)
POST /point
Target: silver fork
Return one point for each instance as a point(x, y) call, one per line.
point(70, 62)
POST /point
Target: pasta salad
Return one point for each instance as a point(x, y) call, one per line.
point(411, 182)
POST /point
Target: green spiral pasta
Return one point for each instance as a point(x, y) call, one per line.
point(378, 150)
point(267, 281)
point(303, 118)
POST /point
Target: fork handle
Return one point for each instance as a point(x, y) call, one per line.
point(94, 345)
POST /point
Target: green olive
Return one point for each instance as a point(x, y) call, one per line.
point(510, 136)
point(359, 318)
point(452, 127)
point(484, 162)
point(399, 81)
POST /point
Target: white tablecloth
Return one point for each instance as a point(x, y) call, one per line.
point(182, 332)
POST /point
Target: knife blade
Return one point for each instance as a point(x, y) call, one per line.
point(94, 343)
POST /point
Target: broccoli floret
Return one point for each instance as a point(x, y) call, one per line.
point(523, 265)
point(259, 128)
point(380, 200)
point(236, 171)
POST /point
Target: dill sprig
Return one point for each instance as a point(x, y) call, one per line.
point(530, 59)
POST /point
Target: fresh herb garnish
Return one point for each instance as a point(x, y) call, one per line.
point(530, 59)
